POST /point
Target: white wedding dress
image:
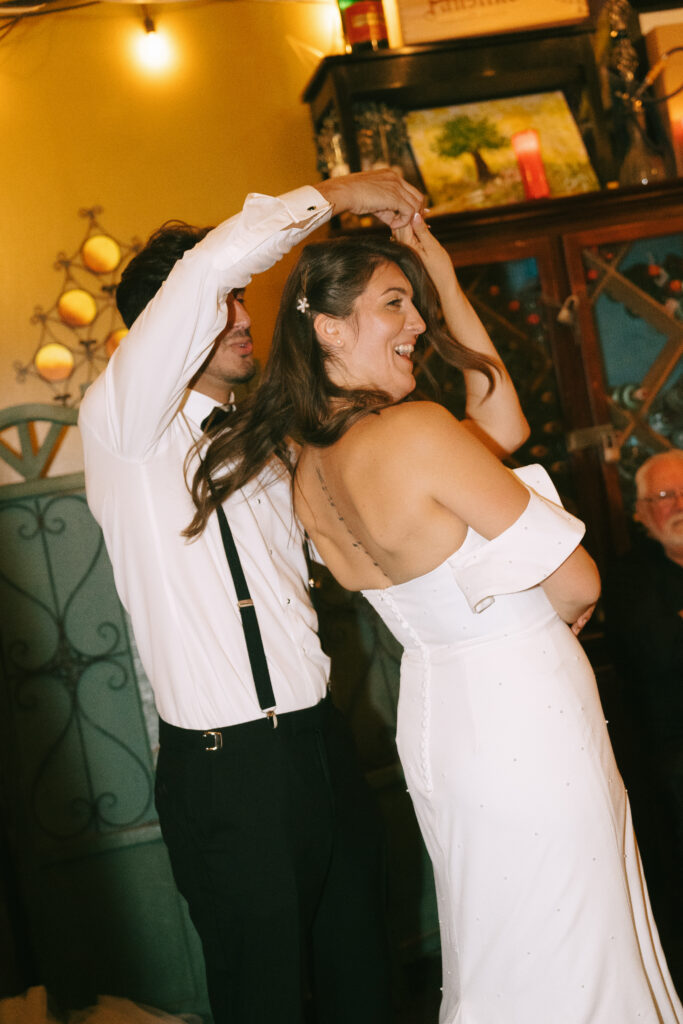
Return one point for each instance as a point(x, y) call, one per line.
point(543, 909)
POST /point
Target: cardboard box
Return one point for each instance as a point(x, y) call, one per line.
point(424, 21)
point(657, 43)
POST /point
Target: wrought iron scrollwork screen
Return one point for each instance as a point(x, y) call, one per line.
point(81, 756)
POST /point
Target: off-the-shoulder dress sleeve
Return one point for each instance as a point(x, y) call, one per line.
point(525, 554)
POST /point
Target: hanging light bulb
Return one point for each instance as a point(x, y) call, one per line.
point(153, 49)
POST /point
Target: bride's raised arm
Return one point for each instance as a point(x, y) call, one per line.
point(496, 417)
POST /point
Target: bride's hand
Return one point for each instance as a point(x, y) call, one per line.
point(436, 260)
point(582, 620)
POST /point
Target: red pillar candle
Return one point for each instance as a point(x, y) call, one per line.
point(677, 126)
point(528, 152)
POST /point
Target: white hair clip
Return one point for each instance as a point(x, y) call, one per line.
point(303, 304)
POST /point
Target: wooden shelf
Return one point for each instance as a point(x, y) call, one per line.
point(466, 70)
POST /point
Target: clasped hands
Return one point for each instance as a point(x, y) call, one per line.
point(383, 193)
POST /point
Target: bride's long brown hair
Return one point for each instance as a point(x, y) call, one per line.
point(296, 400)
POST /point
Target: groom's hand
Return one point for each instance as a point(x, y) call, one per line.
point(384, 193)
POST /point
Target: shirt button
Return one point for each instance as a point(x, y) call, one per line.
point(288, 601)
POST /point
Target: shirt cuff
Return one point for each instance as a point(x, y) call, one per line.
point(304, 204)
point(279, 222)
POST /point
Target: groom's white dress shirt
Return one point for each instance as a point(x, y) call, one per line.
point(138, 423)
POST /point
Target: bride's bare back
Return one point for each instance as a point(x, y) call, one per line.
point(389, 501)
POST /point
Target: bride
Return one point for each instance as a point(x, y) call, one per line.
point(479, 573)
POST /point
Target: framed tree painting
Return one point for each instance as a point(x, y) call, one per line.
point(500, 151)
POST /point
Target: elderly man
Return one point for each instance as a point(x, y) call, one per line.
point(643, 596)
point(659, 504)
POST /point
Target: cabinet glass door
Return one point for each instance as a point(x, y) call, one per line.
point(516, 294)
point(628, 282)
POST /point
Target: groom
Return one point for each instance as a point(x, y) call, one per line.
point(272, 832)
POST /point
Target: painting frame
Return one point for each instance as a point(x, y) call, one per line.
point(499, 151)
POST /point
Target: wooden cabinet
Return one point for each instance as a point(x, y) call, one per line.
point(547, 275)
point(599, 320)
point(460, 71)
point(576, 291)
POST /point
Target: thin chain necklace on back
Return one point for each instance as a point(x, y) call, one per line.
point(354, 540)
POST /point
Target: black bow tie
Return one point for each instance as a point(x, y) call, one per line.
point(216, 418)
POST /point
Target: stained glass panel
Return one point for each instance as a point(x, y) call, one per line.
point(636, 293)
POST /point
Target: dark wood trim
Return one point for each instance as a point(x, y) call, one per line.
point(608, 208)
point(384, 67)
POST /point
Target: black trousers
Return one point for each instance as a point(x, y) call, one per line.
point(276, 845)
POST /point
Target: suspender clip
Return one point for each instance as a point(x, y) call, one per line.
point(273, 717)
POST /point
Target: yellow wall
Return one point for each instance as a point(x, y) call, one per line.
point(81, 125)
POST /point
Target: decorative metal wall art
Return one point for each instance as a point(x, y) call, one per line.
point(82, 328)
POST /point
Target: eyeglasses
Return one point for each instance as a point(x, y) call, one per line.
point(663, 499)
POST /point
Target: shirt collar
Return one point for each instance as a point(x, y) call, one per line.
point(198, 405)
